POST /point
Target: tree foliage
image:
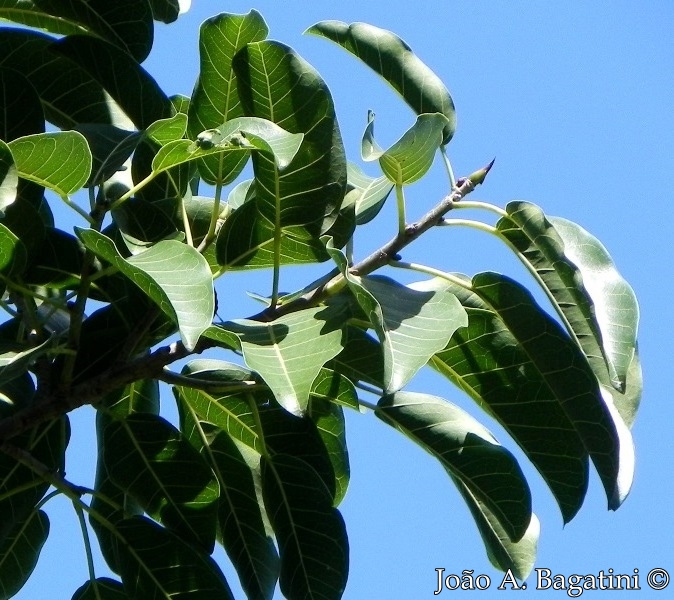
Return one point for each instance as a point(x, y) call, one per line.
point(124, 209)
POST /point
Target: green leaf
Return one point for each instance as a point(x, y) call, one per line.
point(161, 272)
point(229, 412)
point(148, 458)
point(58, 263)
point(215, 99)
point(69, 95)
point(101, 588)
point(468, 450)
point(362, 358)
point(413, 322)
point(158, 564)
point(12, 252)
point(15, 363)
point(311, 534)
point(410, 158)
point(371, 193)
point(597, 303)
point(329, 419)
point(168, 130)
point(289, 352)
point(248, 545)
point(59, 161)
point(504, 554)
point(125, 23)
point(277, 85)
point(488, 362)
point(166, 11)
point(394, 61)
point(334, 387)
point(242, 134)
point(26, 12)
point(137, 93)
point(567, 372)
point(19, 551)
point(143, 224)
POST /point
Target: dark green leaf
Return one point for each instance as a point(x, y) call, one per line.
point(468, 450)
point(334, 387)
point(102, 588)
point(165, 11)
point(9, 177)
point(148, 458)
point(19, 551)
point(393, 59)
point(598, 305)
point(69, 95)
point(26, 12)
point(20, 109)
point(362, 358)
point(249, 546)
point(158, 564)
point(504, 554)
point(143, 224)
point(311, 534)
point(489, 363)
point(110, 148)
point(215, 99)
point(125, 23)
point(59, 261)
point(136, 92)
point(160, 273)
point(277, 85)
point(567, 372)
point(12, 252)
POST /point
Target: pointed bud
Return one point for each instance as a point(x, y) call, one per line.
point(478, 176)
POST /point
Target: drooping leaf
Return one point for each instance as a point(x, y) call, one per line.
point(277, 85)
point(125, 23)
point(158, 564)
point(19, 551)
point(149, 459)
point(215, 99)
point(136, 92)
point(248, 545)
point(489, 363)
point(102, 588)
point(160, 273)
point(289, 352)
point(311, 535)
point(329, 419)
point(371, 193)
point(467, 450)
point(26, 12)
point(569, 375)
point(59, 161)
point(598, 304)
point(393, 59)
point(503, 553)
point(410, 158)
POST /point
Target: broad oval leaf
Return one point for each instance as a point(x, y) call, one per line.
point(311, 534)
point(289, 352)
point(102, 588)
point(149, 459)
point(160, 273)
point(167, 130)
point(158, 564)
point(467, 450)
point(278, 85)
point(19, 550)
point(59, 161)
point(215, 99)
point(393, 59)
point(410, 158)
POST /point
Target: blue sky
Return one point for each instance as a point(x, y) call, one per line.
point(575, 102)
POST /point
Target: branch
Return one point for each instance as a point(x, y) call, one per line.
point(92, 390)
point(387, 253)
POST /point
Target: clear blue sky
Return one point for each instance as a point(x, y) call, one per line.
point(574, 100)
